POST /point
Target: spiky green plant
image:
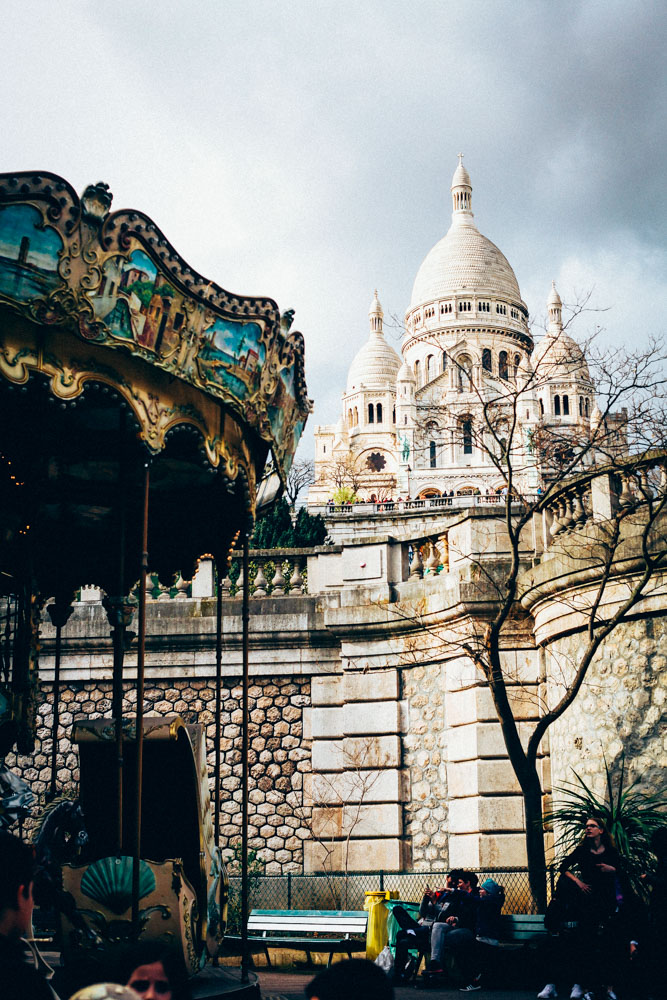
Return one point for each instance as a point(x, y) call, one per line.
point(630, 814)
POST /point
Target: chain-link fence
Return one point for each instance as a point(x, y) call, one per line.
point(337, 891)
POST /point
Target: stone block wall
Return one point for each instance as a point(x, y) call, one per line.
point(279, 754)
point(426, 812)
point(621, 708)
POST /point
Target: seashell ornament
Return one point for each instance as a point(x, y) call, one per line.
point(109, 882)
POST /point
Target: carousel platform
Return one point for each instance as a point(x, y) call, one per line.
point(224, 982)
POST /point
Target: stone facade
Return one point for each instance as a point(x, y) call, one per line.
point(374, 740)
point(278, 757)
point(425, 761)
point(620, 710)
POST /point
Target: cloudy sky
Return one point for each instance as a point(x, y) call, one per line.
point(304, 149)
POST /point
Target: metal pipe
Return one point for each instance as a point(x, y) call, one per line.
point(59, 615)
point(218, 700)
point(139, 735)
point(118, 635)
point(244, 768)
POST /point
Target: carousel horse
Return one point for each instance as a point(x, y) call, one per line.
point(60, 838)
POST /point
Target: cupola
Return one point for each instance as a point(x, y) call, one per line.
point(461, 194)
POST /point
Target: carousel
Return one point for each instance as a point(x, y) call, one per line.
point(146, 416)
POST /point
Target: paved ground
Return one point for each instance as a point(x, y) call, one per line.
point(289, 985)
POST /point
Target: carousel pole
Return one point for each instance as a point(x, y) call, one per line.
point(59, 614)
point(218, 699)
point(244, 768)
point(140, 705)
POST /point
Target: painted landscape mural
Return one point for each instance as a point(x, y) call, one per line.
point(231, 355)
point(29, 254)
point(138, 304)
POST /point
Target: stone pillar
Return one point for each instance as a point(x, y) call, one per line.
point(486, 814)
point(356, 785)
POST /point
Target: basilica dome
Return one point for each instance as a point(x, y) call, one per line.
point(377, 363)
point(464, 261)
point(558, 355)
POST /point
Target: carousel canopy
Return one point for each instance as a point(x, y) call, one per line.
point(114, 353)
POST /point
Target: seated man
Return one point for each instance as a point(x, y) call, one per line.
point(417, 934)
point(456, 930)
point(19, 979)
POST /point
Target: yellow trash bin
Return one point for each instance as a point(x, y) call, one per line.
point(376, 930)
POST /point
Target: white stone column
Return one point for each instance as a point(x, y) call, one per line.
point(486, 814)
point(356, 786)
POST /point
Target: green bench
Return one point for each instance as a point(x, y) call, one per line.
point(522, 928)
point(307, 930)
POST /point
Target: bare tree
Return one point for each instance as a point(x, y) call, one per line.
point(622, 544)
point(344, 475)
point(299, 477)
point(331, 822)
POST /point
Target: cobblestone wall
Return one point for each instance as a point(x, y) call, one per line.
point(278, 755)
point(621, 708)
point(424, 759)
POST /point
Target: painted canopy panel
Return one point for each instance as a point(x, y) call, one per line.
point(116, 281)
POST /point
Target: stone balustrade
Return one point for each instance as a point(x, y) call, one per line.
point(600, 495)
point(411, 507)
point(428, 556)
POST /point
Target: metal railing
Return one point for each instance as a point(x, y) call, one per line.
point(338, 891)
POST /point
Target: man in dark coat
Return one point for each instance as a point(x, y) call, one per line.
point(19, 978)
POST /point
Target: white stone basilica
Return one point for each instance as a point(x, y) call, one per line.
point(414, 426)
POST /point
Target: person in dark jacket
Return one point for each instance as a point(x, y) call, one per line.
point(19, 978)
point(595, 869)
point(456, 930)
point(436, 904)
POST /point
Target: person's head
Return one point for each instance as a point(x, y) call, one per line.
point(152, 969)
point(105, 991)
point(468, 881)
point(491, 888)
point(17, 873)
point(354, 979)
point(595, 828)
point(453, 878)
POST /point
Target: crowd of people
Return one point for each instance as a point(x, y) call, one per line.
point(599, 935)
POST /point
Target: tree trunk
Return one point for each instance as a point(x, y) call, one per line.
point(537, 873)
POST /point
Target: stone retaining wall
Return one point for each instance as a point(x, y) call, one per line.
point(621, 708)
point(278, 756)
point(425, 760)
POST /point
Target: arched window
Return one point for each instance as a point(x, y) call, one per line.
point(566, 406)
point(431, 449)
point(541, 407)
point(517, 362)
point(371, 413)
point(466, 434)
point(557, 405)
point(581, 406)
point(586, 405)
point(429, 367)
point(405, 418)
point(356, 417)
point(486, 359)
point(502, 364)
point(349, 418)
point(417, 372)
point(379, 413)
point(393, 416)
point(465, 372)
point(444, 361)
